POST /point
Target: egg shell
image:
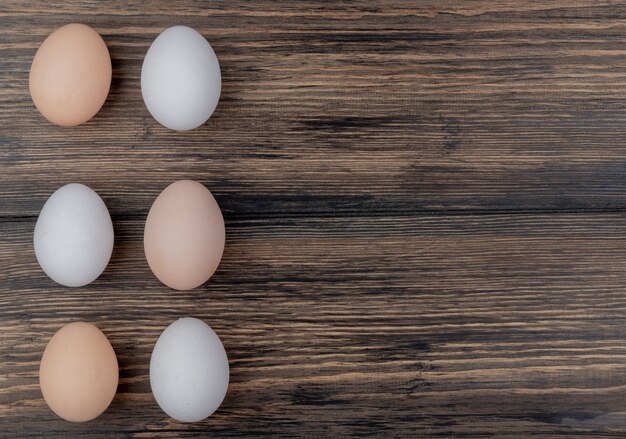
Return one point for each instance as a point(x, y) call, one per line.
point(73, 237)
point(180, 79)
point(189, 371)
point(78, 374)
point(70, 75)
point(184, 235)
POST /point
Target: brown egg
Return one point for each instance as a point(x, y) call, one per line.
point(78, 373)
point(184, 235)
point(70, 75)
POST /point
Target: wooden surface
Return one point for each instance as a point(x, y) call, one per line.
point(425, 209)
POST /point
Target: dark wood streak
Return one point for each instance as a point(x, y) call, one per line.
point(424, 204)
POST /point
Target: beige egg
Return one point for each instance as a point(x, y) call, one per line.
point(71, 75)
point(78, 374)
point(184, 235)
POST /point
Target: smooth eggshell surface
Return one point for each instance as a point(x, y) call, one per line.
point(73, 236)
point(70, 75)
point(189, 371)
point(180, 79)
point(184, 235)
point(78, 374)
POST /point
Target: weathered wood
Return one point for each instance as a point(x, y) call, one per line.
point(424, 207)
point(342, 109)
point(343, 326)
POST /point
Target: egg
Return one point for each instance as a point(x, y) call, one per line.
point(70, 75)
point(78, 373)
point(184, 235)
point(180, 79)
point(189, 371)
point(73, 236)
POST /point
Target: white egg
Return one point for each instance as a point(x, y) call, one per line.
point(189, 370)
point(73, 236)
point(180, 79)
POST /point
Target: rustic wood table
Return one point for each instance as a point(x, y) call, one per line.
point(425, 210)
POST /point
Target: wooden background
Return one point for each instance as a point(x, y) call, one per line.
point(425, 207)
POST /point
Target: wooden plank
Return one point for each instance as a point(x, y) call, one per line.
point(424, 207)
point(333, 109)
point(390, 326)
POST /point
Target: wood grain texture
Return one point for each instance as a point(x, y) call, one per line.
point(424, 203)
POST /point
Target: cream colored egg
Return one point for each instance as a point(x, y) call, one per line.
point(184, 235)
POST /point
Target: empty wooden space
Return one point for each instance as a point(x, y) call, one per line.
point(425, 205)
